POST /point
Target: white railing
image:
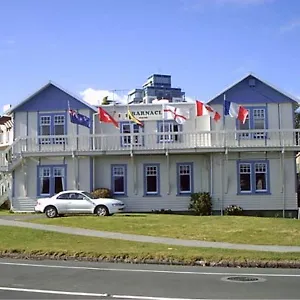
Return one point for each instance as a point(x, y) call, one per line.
point(206, 141)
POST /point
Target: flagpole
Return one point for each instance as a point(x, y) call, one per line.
point(226, 159)
point(163, 126)
point(195, 115)
point(74, 158)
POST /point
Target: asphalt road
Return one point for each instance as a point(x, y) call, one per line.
point(27, 279)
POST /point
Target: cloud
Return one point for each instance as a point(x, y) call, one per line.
point(94, 96)
point(189, 99)
point(290, 26)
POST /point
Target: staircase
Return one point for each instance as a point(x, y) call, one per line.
point(11, 157)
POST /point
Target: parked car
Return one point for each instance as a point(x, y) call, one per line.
point(78, 202)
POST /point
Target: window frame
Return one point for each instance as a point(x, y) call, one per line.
point(52, 179)
point(174, 136)
point(152, 194)
point(139, 135)
point(191, 166)
point(52, 139)
point(253, 189)
point(253, 135)
point(124, 166)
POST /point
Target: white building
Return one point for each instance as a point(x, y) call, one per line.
point(159, 165)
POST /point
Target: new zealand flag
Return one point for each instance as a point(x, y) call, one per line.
point(79, 119)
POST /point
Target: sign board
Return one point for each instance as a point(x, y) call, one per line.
point(142, 114)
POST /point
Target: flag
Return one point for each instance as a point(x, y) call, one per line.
point(174, 113)
point(105, 117)
point(79, 119)
point(132, 118)
point(235, 111)
point(204, 110)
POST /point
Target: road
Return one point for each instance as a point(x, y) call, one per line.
point(28, 279)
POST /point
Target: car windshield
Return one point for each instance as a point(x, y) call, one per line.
point(88, 195)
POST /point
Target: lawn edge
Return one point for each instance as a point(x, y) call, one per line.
point(61, 256)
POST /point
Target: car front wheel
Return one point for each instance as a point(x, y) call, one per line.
point(101, 211)
point(51, 212)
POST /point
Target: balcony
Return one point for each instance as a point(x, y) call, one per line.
point(178, 142)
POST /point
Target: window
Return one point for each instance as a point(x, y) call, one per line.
point(245, 177)
point(58, 174)
point(171, 131)
point(253, 177)
point(45, 173)
point(51, 125)
point(119, 179)
point(256, 119)
point(64, 196)
point(131, 134)
point(260, 177)
point(184, 178)
point(151, 179)
point(51, 180)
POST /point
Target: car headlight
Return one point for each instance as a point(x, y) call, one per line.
point(118, 204)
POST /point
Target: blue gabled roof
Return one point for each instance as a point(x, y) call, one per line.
point(286, 97)
point(49, 84)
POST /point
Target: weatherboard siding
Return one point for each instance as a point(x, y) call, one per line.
point(272, 201)
point(279, 116)
point(168, 199)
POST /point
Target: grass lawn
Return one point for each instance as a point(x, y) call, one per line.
point(248, 230)
point(5, 212)
point(30, 241)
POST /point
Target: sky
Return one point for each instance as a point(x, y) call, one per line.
point(95, 48)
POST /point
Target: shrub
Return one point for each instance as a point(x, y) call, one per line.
point(201, 204)
point(163, 211)
point(5, 205)
point(233, 210)
point(102, 193)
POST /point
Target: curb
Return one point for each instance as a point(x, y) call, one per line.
point(164, 261)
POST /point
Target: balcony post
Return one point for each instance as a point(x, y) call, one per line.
point(168, 170)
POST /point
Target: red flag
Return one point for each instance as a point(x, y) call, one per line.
point(243, 114)
point(105, 117)
point(204, 109)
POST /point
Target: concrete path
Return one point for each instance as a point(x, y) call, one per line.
point(147, 239)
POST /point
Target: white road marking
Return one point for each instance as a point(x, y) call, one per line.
point(148, 270)
point(3, 288)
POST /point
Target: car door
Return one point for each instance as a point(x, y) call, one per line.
point(62, 202)
point(80, 204)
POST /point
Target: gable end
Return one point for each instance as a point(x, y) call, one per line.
point(50, 98)
point(252, 90)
